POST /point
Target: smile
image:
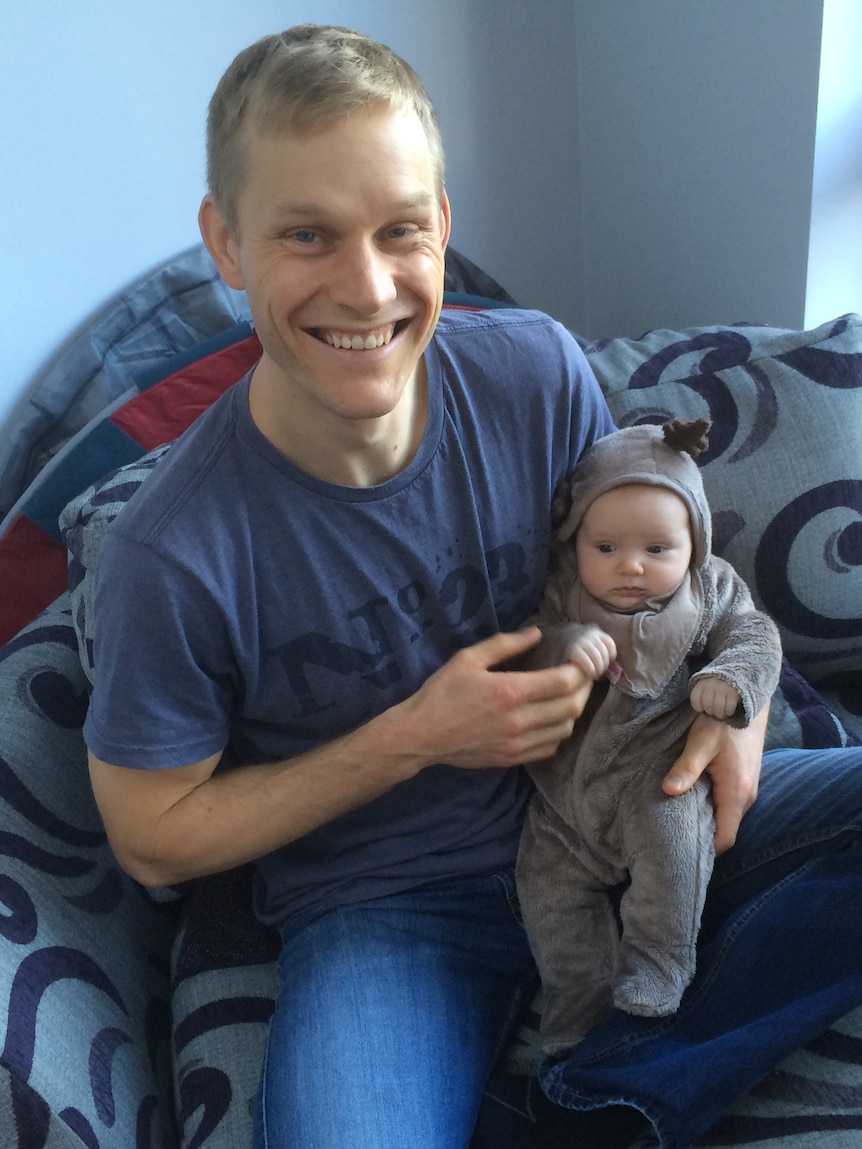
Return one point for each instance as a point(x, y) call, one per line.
point(359, 341)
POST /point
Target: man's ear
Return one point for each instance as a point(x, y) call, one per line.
point(445, 217)
point(220, 243)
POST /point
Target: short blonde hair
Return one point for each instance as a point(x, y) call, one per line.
point(300, 79)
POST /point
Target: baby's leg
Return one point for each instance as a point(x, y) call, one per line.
point(671, 856)
point(572, 930)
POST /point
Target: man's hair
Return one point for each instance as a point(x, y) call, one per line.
point(301, 79)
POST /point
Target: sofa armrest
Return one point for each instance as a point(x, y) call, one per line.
point(84, 953)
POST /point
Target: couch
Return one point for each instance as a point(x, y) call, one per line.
point(135, 1018)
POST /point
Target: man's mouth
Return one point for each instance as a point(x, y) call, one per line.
point(358, 340)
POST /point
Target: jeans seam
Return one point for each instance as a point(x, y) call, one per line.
point(506, 879)
point(726, 874)
point(261, 1101)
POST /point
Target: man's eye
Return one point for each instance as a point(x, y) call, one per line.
point(304, 236)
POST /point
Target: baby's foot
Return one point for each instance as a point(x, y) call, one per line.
point(646, 995)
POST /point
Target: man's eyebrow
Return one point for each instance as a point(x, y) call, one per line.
point(312, 210)
point(423, 199)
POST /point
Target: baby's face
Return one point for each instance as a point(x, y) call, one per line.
point(633, 544)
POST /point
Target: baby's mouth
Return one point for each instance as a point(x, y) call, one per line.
point(360, 340)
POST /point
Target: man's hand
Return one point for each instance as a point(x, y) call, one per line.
point(732, 758)
point(471, 715)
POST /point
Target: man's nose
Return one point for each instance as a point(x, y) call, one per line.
point(364, 280)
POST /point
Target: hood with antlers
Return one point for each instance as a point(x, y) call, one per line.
point(655, 456)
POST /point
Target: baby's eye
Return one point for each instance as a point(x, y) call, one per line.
point(655, 549)
point(606, 548)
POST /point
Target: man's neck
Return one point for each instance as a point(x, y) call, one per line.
point(355, 453)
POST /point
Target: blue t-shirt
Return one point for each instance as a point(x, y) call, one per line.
point(243, 605)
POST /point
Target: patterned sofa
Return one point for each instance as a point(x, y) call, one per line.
point(136, 1019)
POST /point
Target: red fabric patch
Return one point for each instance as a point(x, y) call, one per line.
point(162, 412)
point(32, 573)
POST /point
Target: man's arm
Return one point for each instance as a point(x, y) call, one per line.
point(732, 757)
point(167, 826)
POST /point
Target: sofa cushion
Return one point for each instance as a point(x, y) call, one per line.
point(167, 310)
point(220, 1024)
point(83, 524)
point(164, 401)
point(83, 956)
point(220, 1018)
point(783, 473)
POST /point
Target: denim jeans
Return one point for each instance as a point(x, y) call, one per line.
point(393, 1011)
point(390, 1018)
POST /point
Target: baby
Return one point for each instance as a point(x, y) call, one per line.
point(636, 593)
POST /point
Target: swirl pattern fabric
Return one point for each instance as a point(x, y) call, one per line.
point(783, 473)
point(83, 969)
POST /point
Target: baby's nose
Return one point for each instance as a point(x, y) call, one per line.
point(631, 562)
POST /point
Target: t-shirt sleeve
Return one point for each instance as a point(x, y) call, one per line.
point(156, 702)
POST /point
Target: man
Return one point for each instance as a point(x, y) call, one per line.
point(299, 661)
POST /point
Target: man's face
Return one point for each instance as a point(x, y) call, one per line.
point(633, 544)
point(339, 244)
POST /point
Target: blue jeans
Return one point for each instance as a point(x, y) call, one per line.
point(393, 1011)
point(391, 1016)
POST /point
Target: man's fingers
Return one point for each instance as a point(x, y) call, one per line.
point(702, 744)
point(500, 647)
point(681, 777)
point(729, 806)
point(560, 681)
point(732, 758)
point(485, 714)
point(698, 752)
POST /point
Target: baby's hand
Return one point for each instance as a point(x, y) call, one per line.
point(711, 696)
point(592, 651)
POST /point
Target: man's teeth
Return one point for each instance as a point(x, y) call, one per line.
point(359, 342)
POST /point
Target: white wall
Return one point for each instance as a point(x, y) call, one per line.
point(514, 161)
point(835, 255)
point(697, 143)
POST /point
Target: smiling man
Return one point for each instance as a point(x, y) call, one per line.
point(338, 239)
point(300, 617)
